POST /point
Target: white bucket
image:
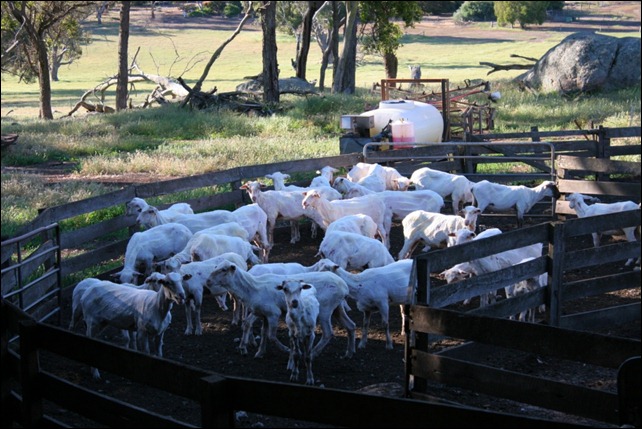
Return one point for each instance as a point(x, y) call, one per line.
point(426, 119)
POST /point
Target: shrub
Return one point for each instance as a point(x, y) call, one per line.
point(475, 11)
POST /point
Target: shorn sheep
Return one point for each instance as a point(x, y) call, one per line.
point(126, 308)
point(353, 251)
point(504, 197)
point(328, 211)
point(259, 295)
point(434, 229)
point(376, 289)
point(145, 248)
point(137, 205)
point(443, 183)
point(577, 202)
point(301, 319)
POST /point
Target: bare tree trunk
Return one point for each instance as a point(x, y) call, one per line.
point(270, 63)
point(391, 65)
point(123, 44)
point(302, 54)
point(345, 73)
point(46, 112)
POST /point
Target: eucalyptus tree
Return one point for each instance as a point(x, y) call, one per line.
point(379, 32)
point(32, 25)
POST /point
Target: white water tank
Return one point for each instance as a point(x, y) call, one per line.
point(426, 119)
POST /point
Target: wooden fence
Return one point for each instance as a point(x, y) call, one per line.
point(91, 246)
point(28, 386)
point(456, 365)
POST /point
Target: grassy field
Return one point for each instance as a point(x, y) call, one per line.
point(169, 142)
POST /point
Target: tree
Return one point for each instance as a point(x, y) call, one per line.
point(306, 36)
point(523, 12)
point(267, 13)
point(65, 41)
point(123, 44)
point(344, 80)
point(33, 23)
point(380, 34)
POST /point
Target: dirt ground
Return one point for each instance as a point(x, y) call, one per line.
point(373, 369)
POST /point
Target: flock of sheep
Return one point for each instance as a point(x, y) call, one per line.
point(180, 254)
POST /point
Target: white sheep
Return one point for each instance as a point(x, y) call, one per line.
point(400, 204)
point(357, 223)
point(206, 246)
point(145, 311)
point(577, 203)
point(445, 184)
point(137, 205)
point(279, 185)
point(376, 289)
point(433, 229)
point(526, 286)
point(254, 219)
point(382, 177)
point(354, 251)
point(194, 277)
point(301, 319)
point(329, 211)
point(289, 268)
point(326, 174)
point(375, 179)
point(490, 263)
point(147, 247)
point(500, 197)
point(210, 242)
point(195, 222)
point(278, 205)
point(259, 295)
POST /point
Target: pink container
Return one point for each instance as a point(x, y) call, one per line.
point(403, 131)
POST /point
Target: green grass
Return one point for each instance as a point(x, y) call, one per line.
point(175, 142)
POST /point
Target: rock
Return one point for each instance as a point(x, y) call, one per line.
point(292, 85)
point(587, 62)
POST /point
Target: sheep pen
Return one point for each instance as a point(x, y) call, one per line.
point(372, 370)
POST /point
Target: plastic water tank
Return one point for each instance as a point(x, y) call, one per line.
point(426, 119)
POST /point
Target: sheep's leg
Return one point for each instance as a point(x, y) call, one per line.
point(189, 328)
point(291, 356)
point(268, 333)
point(344, 320)
point(198, 328)
point(248, 322)
point(326, 333)
point(364, 330)
point(630, 237)
point(408, 248)
point(308, 341)
point(384, 310)
point(295, 352)
point(295, 233)
point(91, 333)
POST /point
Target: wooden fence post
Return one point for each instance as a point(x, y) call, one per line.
point(603, 151)
point(216, 411)
point(32, 407)
point(556, 250)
